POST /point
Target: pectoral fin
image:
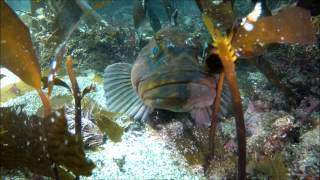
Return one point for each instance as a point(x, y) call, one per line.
point(120, 95)
point(202, 116)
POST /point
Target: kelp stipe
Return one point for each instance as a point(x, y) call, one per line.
point(227, 56)
point(286, 27)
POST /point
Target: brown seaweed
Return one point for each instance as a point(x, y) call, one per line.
point(106, 125)
point(39, 143)
point(286, 27)
point(221, 12)
point(291, 25)
point(77, 97)
point(227, 56)
point(17, 53)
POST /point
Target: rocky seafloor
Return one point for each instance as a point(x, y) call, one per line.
point(283, 136)
point(279, 145)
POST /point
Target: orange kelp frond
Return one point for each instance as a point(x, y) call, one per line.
point(226, 52)
point(17, 52)
point(45, 102)
point(291, 25)
point(221, 12)
point(214, 32)
point(72, 76)
point(77, 98)
point(222, 44)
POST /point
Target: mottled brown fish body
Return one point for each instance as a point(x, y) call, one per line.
point(166, 75)
point(172, 77)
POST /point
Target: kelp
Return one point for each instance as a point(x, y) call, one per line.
point(104, 120)
point(17, 53)
point(291, 25)
point(66, 22)
point(286, 27)
point(227, 56)
point(37, 143)
point(108, 126)
point(56, 82)
point(221, 11)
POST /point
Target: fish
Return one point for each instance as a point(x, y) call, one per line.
point(166, 75)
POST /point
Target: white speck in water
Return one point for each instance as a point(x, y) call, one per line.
point(278, 30)
point(52, 120)
point(39, 159)
point(54, 64)
point(66, 142)
point(50, 77)
point(57, 113)
point(44, 148)
point(282, 38)
point(248, 26)
point(40, 138)
point(45, 139)
point(13, 136)
point(28, 143)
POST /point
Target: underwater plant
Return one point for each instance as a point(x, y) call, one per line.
point(43, 145)
point(291, 25)
point(37, 144)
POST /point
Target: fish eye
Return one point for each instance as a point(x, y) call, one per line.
point(154, 52)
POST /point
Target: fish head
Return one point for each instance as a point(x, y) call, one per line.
point(167, 73)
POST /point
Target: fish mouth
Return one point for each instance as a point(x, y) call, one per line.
point(169, 91)
point(158, 80)
point(171, 96)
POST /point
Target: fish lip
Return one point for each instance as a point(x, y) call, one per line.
point(162, 85)
point(182, 71)
point(167, 78)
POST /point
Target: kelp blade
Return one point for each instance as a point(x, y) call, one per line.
point(35, 144)
point(291, 25)
point(221, 13)
point(107, 126)
point(17, 53)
